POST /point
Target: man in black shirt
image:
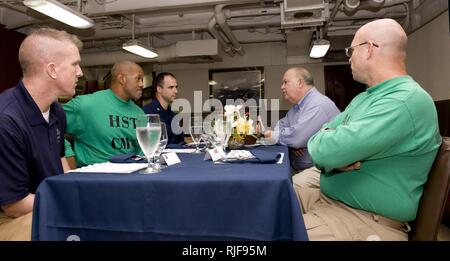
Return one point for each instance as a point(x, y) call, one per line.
point(164, 92)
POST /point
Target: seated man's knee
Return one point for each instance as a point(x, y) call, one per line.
point(16, 229)
point(308, 178)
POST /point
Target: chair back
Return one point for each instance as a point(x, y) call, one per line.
point(432, 203)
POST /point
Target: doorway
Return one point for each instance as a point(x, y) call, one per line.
point(340, 86)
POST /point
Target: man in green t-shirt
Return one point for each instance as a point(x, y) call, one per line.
point(70, 155)
point(103, 124)
point(375, 156)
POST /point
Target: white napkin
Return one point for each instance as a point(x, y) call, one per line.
point(179, 150)
point(108, 167)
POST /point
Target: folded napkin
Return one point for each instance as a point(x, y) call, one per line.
point(180, 145)
point(260, 156)
point(108, 167)
point(127, 158)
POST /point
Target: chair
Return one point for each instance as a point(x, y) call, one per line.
point(432, 203)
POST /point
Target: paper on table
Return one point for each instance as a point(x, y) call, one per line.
point(239, 155)
point(281, 158)
point(179, 150)
point(280, 161)
point(108, 167)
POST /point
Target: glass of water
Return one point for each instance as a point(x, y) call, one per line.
point(222, 131)
point(148, 132)
point(162, 145)
point(196, 135)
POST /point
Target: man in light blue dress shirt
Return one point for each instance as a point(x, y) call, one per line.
point(309, 112)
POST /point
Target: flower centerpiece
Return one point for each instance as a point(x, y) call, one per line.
point(242, 128)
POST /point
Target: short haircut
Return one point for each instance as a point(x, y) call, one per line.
point(33, 47)
point(121, 67)
point(159, 81)
point(305, 75)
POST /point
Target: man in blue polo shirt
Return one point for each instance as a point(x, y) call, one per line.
point(310, 110)
point(164, 92)
point(32, 125)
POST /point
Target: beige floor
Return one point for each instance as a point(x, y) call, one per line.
point(444, 233)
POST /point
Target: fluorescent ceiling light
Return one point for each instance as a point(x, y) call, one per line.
point(60, 12)
point(135, 47)
point(319, 48)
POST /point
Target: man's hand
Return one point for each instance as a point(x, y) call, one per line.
point(259, 131)
point(298, 152)
point(268, 134)
point(354, 166)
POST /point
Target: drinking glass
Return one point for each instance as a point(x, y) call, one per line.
point(148, 133)
point(209, 139)
point(222, 131)
point(196, 134)
point(162, 145)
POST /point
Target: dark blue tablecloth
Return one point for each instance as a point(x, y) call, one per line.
point(193, 200)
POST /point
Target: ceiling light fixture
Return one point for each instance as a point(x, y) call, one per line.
point(134, 46)
point(60, 12)
point(319, 48)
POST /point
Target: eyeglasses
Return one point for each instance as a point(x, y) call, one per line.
point(349, 50)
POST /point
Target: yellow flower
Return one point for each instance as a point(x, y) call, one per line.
point(243, 126)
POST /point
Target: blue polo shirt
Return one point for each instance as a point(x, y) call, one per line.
point(30, 147)
point(165, 116)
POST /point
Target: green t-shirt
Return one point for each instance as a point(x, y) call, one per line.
point(68, 149)
point(103, 125)
point(392, 129)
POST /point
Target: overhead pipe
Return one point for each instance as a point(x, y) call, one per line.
point(352, 5)
point(366, 14)
point(221, 21)
point(388, 3)
point(332, 15)
point(406, 21)
point(396, 15)
point(375, 3)
point(213, 30)
point(210, 26)
point(357, 13)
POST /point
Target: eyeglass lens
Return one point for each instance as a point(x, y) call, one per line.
point(349, 51)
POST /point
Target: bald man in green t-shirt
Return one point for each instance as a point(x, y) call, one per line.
point(103, 124)
point(375, 156)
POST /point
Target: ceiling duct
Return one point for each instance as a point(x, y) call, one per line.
point(303, 13)
point(192, 51)
point(353, 5)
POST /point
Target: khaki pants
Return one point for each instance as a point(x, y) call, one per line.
point(328, 219)
point(15, 229)
point(308, 178)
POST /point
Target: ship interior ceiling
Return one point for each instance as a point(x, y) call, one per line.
point(170, 27)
